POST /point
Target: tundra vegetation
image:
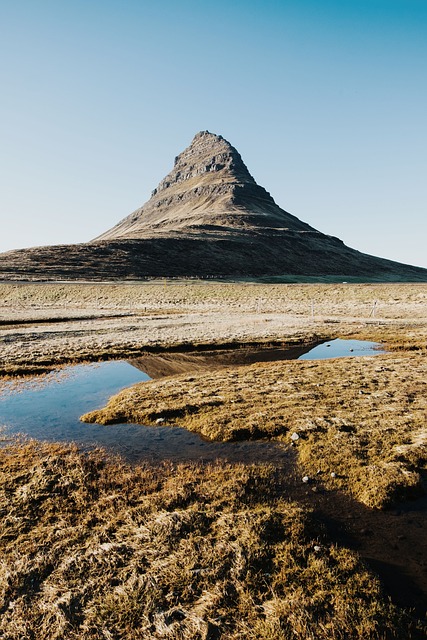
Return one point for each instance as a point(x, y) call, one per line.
point(91, 547)
point(363, 419)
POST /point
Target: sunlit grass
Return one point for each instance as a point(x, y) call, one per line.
point(91, 548)
point(360, 418)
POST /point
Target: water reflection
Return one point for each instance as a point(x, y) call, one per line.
point(341, 349)
point(167, 364)
point(49, 407)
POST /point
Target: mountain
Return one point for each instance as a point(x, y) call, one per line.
point(207, 217)
point(208, 191)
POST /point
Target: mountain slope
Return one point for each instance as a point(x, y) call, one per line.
point(207, 217)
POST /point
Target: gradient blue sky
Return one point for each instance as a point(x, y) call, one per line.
point(325, 100)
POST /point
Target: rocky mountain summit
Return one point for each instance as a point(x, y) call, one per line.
point(209, 191)
point(207, 217)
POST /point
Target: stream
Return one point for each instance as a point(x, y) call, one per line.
point(48, 407)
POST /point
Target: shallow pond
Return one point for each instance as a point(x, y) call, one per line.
point(341, 349)
point(48, 408)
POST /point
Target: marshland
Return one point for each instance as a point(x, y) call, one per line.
point(324, 538)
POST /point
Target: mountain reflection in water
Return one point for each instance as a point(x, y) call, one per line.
point(49, 407)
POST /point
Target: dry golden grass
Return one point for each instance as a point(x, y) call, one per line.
point(91, 548)
point(363, 419)
point(47, 325)
point(392, 300)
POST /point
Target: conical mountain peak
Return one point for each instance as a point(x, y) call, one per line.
point(209, 190)
point(207, 218)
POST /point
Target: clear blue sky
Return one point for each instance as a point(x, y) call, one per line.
point(325, 100)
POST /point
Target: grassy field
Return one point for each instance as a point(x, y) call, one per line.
point(43, 326)
point(93, 548)
point(393, 300)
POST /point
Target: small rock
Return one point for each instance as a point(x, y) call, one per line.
point(306, 479)
point(294, 437)
point(333, 474)
point(317, 548)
